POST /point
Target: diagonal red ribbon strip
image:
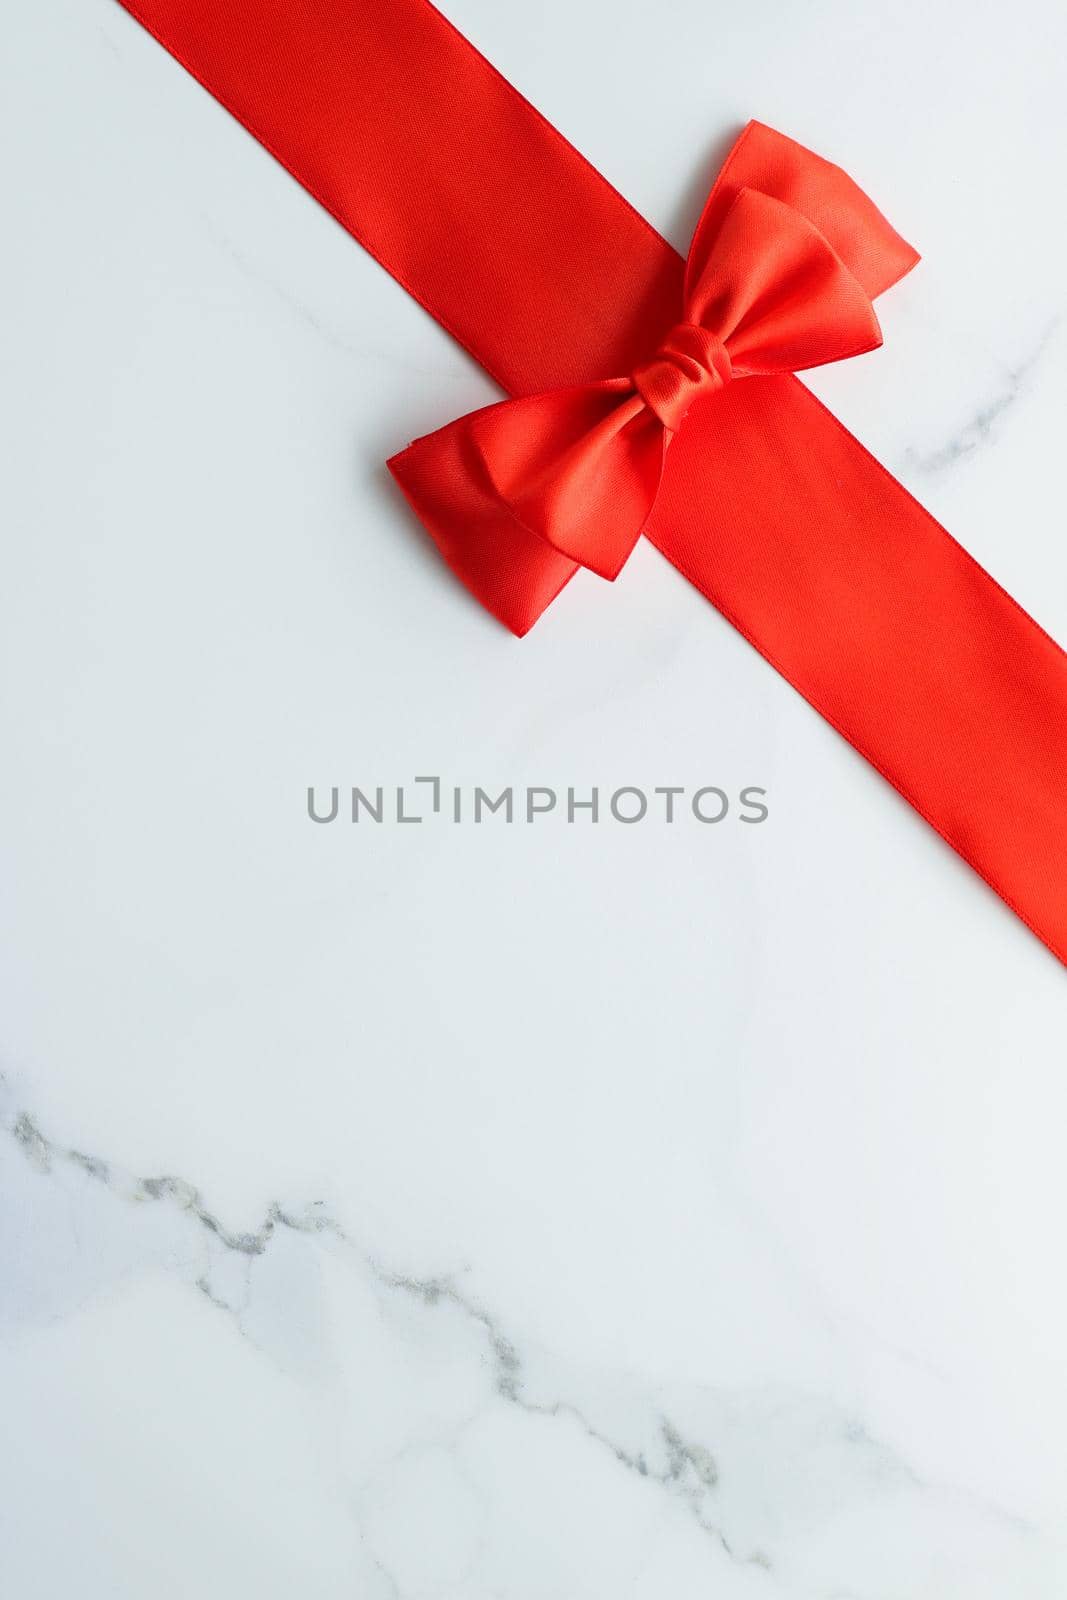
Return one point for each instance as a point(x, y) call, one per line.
point(534, 263)
point(766, 292)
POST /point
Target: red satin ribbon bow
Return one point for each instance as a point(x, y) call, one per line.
point(613, 349)
point(765, 292)
point(784, 264)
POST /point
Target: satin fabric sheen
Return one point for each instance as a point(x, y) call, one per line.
point(765, 292)
point(768, 505)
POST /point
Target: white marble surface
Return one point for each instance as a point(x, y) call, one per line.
point(532, 1213)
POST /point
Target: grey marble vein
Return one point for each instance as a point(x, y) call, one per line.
point(668, 1457)
point(335, 337)
point(981, 426)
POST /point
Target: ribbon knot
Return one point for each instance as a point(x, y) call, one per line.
point(691, 362)
point(547, 481)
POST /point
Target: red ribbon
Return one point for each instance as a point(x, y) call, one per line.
point(578, 308)
point(519, 495)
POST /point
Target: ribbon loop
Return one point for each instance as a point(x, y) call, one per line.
point(581, 467)
point(691, 362)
